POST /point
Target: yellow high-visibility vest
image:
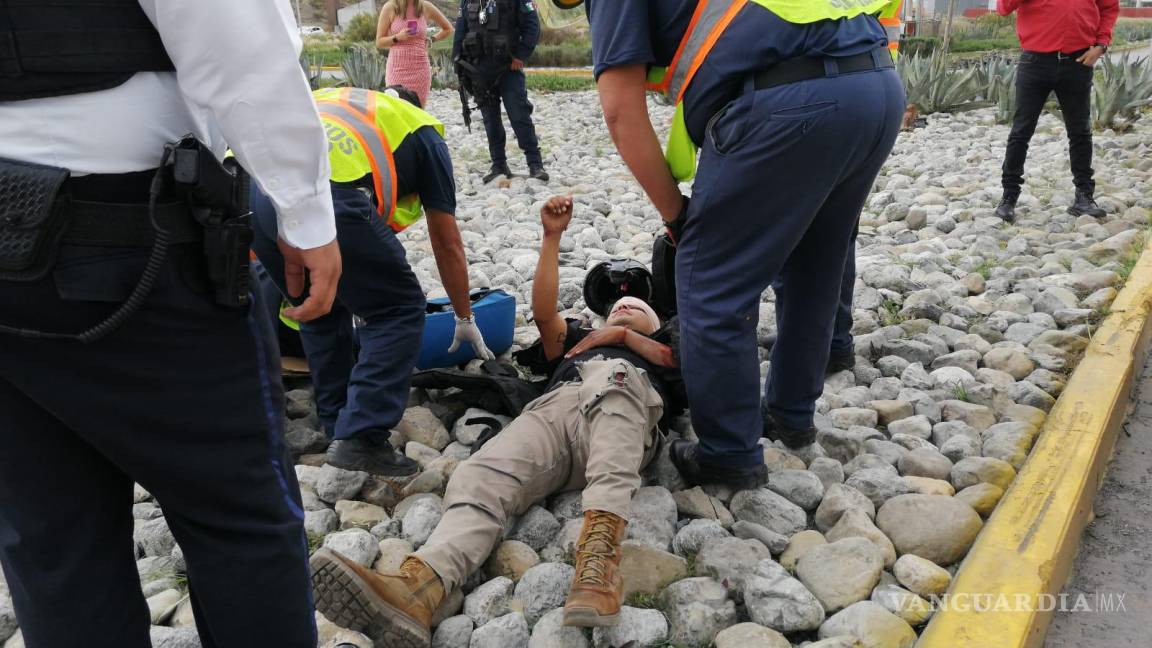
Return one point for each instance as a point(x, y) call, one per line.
point(364, 127)
point(708, 23)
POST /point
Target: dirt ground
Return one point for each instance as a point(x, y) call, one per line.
point(1114, 568)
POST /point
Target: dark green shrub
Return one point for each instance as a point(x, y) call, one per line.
point(984, 44)
point(919, 45)
point(570, 54)
point(361, 29)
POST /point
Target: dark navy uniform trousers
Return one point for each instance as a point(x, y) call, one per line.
point(357, 395)
point(184, 399)
point(511, 89)
point(783, 176)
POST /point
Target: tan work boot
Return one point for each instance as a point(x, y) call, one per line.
point(393, 611)
point(596, 589)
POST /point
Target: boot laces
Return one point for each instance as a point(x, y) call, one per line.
point(409, 567)
point(596, 550)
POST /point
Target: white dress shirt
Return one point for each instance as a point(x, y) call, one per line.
point(237, 84)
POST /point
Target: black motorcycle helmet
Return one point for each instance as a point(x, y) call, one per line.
point(608, 281)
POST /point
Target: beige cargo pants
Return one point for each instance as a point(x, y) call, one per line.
point(595, 435)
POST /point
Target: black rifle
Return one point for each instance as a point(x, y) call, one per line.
point(466, 76)
point(464, 82)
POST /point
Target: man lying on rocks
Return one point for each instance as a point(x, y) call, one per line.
point(595, 428)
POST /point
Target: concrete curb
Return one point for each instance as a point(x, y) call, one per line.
point(1028, 546)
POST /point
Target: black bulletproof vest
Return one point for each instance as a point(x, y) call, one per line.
point(50, 48)
point(496, 37)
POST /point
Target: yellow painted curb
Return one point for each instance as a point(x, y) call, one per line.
point(1028, 546)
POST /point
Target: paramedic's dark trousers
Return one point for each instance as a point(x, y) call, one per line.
point(357, 395)
point(783, 176)
point(842, 341)
point(184, 399)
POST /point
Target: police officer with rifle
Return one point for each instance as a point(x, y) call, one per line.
point(493, 39)
point(129, 349)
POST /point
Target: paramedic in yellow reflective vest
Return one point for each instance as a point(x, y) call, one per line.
point(793, 105)
point(389, 163)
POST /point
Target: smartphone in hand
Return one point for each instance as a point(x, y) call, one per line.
point(413, 27)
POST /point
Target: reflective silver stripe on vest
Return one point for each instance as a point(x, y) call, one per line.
point(893, 32)
point(358, 97)
point(376, 148)
point(712, 13)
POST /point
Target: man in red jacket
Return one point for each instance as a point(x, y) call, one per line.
point(1061, 39)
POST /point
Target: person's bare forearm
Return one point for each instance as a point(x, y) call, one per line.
point(448, 248)
point(626, 114)
point(546, 282)
point(649, 349)
point(453, 266)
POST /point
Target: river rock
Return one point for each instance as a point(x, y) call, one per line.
point(769, 510)
point(872, 625)
point(940, 529)
point(841, 573)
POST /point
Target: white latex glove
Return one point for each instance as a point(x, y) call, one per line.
point(467, 331)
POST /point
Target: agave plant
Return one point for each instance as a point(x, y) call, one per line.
point(313, 67)
point(1004, 94)
point(1123, 87)
point(991, 72)
point(364, 67)
point(933, 86)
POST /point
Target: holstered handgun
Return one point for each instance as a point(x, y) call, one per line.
point(218, 195)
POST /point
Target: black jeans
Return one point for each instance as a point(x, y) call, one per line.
point(1037, 76)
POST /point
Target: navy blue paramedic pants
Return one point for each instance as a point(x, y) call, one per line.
point(369, 393)
point(186, 400)
point(842, 340)
point(783, 176)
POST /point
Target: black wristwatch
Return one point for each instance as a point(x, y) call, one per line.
point(1102, 46)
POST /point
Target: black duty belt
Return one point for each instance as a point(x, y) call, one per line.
point(1057, 55)
point(100, 224)
point(807, 68)
point(111, 210)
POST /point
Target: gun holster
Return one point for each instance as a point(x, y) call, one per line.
point(218, 196)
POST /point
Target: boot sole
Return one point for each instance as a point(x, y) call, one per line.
point(1076, 212)
point(346, 600)
point(589, 618)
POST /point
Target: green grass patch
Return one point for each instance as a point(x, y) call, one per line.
point(984, 44)
point(961, 392)
point(315, 541)
point(558, 83)
point(985, 268)
point(890, 314)
point(646, 600)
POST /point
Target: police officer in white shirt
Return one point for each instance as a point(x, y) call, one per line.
point(129, 349)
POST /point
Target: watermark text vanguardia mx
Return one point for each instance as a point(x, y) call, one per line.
point(1095, 602)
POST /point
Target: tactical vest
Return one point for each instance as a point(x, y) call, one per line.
point(51, 48)
point(363, 129)
point(708, 23)
point(493, 30)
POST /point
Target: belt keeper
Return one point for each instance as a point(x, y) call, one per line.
point(877, 60)
point(831, 69)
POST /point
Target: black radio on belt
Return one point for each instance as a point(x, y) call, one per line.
point(218, 195)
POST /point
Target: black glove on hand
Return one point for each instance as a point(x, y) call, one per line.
point(675, 227)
